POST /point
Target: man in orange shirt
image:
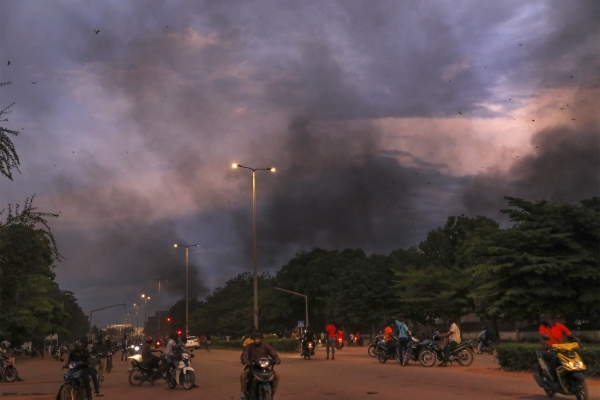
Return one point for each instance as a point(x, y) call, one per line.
point(552, 332)
point(388, 332)
point(330, 329)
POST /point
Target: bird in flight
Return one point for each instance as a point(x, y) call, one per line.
point(97, 31)
point(460, 113)
point(8, 62)
point(572, 119)
point(520, 44)
point(33, 82)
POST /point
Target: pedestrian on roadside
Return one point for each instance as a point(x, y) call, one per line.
point(124, 349)
point(330, 329)
point(402, 331)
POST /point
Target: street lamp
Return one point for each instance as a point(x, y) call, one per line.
point(159, 280)
point(272, 169)
point(137, 318)
point(187, 248)
point(146, 298)
point(298, 294)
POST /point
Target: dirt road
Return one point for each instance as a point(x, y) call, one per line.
point(352, 376)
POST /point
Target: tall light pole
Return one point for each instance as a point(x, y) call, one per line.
point(137, 318)
point(298, 294)
point(146, 298)
point(272, 169)
point(159, 280)
point(187, 248)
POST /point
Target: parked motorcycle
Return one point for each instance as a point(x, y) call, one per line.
point(489, 349)
point(184, 373)
point(388, 351)
point(73, 387)
point(308, 349)
point(419, 350)
point(463, 353)
point(570, 373)
point(260, 377)
point(8, 372)
point(372, 350)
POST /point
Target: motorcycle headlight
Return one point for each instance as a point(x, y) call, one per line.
point(575, 365)
point(185, 356)
point(264, 363)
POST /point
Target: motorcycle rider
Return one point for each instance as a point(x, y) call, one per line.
point(4, 347)
point(330, 329)
point(80, 354)
point(485, 337)
point(148, 357)
point(308, 336)
point(551, 332)
point(402, 330)
point(252, 352)
point(101, 348)
point(453, 336)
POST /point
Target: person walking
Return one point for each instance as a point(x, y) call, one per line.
point(331, 330)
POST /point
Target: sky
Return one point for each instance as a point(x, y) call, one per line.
point(381, 118)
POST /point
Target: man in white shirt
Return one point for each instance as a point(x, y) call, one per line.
point(453, 336)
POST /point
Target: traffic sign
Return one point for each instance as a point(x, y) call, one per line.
point(300, 324)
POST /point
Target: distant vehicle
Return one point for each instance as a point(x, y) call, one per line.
point(136, 347)
point(192, 342)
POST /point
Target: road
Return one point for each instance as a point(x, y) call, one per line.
point(352, 376)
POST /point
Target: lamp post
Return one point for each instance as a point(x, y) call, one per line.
point(146, 298)
point(298, 294)
point(187, 248)
point(159, 280)
point(272, 169)
point(137, 318)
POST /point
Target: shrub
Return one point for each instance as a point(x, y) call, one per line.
point(280, 345)
point(522, 357)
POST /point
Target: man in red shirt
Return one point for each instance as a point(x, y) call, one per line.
point(552, 332)
point(330, 329)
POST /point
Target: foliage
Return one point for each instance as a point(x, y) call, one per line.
point(522, 357)
point(549, 260)
point(9, 159)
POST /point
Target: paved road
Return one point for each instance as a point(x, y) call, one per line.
point(351, 376)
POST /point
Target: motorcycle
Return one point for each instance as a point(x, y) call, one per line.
point(463, 353)
point(73, 387)
point(387, 351)
point(419, 350)
point(184, 373)
point(339, 343)
point(321, 342)
point(141, 372)
point(308, 349)
point(486, 349)
point(372, 350)
point(8, 372)
point(356, 341)
point(570, 373)
point(260, 377)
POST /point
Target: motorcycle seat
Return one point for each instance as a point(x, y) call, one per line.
point(424, 343)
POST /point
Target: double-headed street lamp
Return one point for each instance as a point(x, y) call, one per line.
point(146, 298)
point(187, 247)
point(272, 169)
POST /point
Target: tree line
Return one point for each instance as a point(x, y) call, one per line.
point(548, 259)
point(32, 305)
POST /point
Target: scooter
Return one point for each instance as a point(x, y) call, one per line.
point(184, 374)
point(9, 371)
point(570, 373)
point(73, 387)
point(308, 349)
point(261, 375)
point(388, 350)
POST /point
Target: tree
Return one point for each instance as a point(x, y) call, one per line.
point(9, 159)
point(549, 260)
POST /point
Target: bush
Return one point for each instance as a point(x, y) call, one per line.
point(522, 357)
point(280, 345)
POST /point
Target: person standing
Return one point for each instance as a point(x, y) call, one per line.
point(99, 348)
point(453, 336)
point(330, 329)
point(402, 330)
point(124, 349)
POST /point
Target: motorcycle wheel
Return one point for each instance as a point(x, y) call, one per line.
point(465, 358)
point(550, 393)
point(11, 375)
point(427, 358)
point(266, 395)
point(68, 392)
point(135, 377)
point(372, 350)
point(189, 380)
point(108, 368)
point(381, 357)
point(581, 392)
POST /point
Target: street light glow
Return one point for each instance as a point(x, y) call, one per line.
point(143, 295)
point(234, 165)
point(175, 245)
point(272, 169)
